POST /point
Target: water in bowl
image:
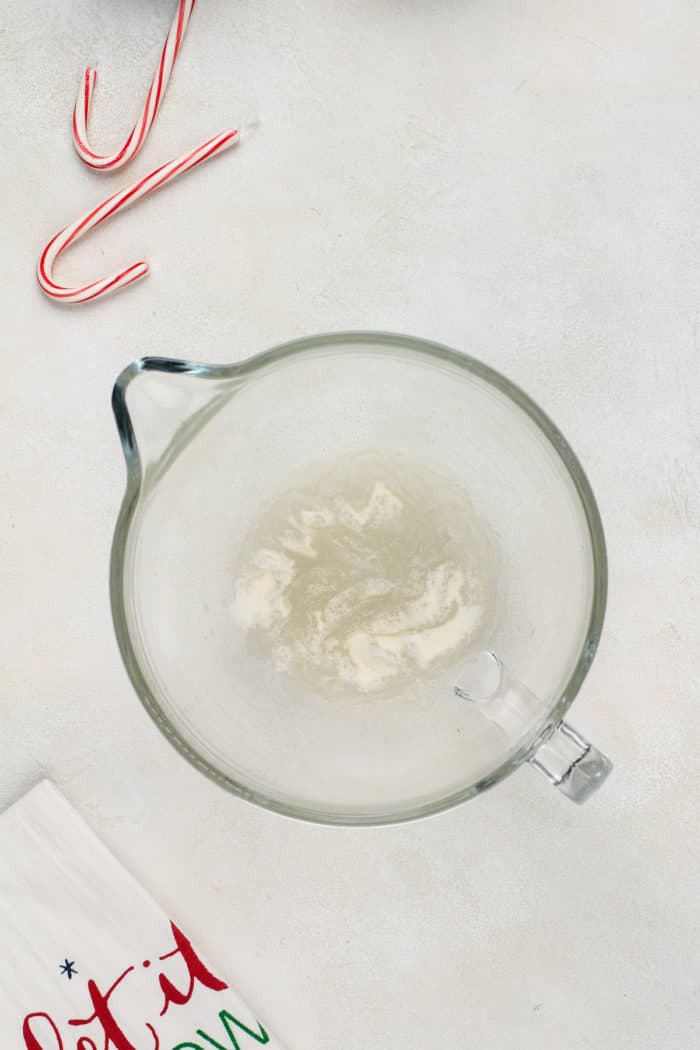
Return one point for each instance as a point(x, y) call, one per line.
point(365, 575)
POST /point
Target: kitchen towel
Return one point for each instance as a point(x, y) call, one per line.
point(89, 961)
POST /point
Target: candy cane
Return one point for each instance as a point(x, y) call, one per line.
point(135, 141)
point(114, 204)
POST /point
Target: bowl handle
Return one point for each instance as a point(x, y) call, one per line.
point(562, 755)
point(570, 763)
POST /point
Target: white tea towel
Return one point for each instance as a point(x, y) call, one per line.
point(89, 961)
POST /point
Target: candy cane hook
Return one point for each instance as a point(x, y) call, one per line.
point(114, 204)
point(156, 92)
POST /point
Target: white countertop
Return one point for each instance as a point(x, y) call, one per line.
point(517, 180)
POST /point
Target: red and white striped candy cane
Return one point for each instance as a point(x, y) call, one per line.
point(114, 204)
point(112, 161)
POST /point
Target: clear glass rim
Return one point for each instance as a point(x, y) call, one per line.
point(270, 357)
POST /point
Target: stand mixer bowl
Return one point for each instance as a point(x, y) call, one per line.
point(208, 447)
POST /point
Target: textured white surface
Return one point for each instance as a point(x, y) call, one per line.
point(515, 179)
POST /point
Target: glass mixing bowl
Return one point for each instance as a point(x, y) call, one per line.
point(208, 447)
